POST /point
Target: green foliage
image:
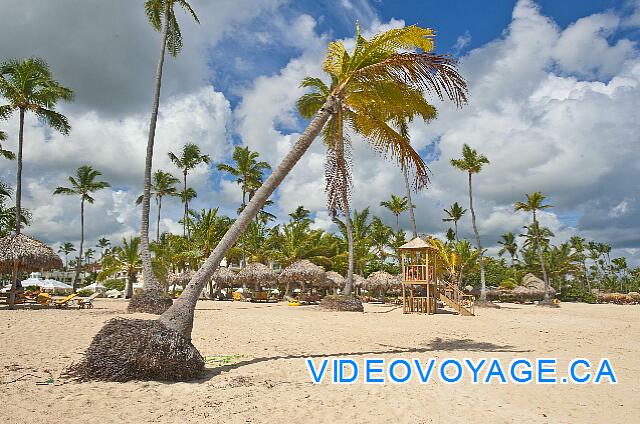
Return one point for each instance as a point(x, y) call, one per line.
point(508, 283)
point(576, 294)
point(114, 284)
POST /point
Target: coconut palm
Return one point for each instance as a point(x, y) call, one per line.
point(83, 185)
point(533, 204)
point(66, 248)
point(509, 245)
point(162, 18)
point(472, 163)
point(578, 245)
point(380, 236)
point(396, 205)
point(189, 159)
point(163, 184)
point(8, 213)
point(378, 88)
point(248, 171)
point(125, 258)
point(103, 245)
point(186, 196)
point(388, 59)
point(7, 154)
point(454, 214)
point(29, 86)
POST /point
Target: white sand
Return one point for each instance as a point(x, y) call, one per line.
point(271, 383)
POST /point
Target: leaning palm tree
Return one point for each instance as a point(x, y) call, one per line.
point(533, 204)
point(188, 160)
point(66, 248)
point(28, 85)
point(164, 184)
point(472, 163)
point(454, 214)
point(388, 59)
point(162, 18)
point(396, 205)
point(83, 185)
point(7, 154)
point(378, 88)
point(509, 245)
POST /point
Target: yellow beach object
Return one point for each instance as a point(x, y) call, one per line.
point(294, 303)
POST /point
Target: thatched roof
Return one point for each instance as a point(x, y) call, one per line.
point(334, 279)
point(303, 271)
point(380, 280)
point(534, 283)
point(224, 276)
point(256, 272)
point(416, 244)
point(27, 254)
point(359, 280)
point(181, 279)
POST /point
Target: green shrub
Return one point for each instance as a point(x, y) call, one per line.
point(85, 293)
point(508, 283)
point(114, 284)
point(576, 294)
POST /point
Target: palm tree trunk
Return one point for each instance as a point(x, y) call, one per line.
point(412, 216)
point(483, 283)
point(79, 262)
point(158, 222)
point(541, 256)
point(131, 279)
point(186, 206)
point(180, 315)
point(348, 286)
point(455, 228)
point(15, 273)
point(150, 282)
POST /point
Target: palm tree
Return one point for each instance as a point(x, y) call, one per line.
point(533, 204)
point(103, 244)
point(509, 245)
point(188, 160)
point(7, 154)
point(83, 184)
point(454, 214)
point(248, 172)
point(66, 248)
point(472, 163)
point(376, 92)
point(162, 18)
point(578, 245)
point(387, 59)
point(164, 184)
point(29, 86)
point(396, 205)
point(185, 197)
point(125, 258)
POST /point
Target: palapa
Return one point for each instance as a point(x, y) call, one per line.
point(180, 279)
point(334, 280)
point(380, 280)
point(258, 274)
point(224, 277)
point(303, 271)
point(26, 254)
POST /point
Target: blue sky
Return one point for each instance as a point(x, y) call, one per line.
point(554, 94)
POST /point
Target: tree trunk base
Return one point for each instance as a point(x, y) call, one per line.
point(150, 301)
point(485, 304)
point(548, 303)
point(337, 302)
point(138, 349)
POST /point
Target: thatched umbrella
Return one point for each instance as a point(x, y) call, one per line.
point(303, 272)
point(334, 280)
point(224, 277)
point(24, 254)
point(258, 274)
point(19, 253)
point(382, 281)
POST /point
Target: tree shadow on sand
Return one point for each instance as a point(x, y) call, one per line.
point(436, 345)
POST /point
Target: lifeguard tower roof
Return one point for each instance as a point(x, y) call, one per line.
point(417, 243)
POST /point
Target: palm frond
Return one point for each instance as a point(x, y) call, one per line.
point(55, 120)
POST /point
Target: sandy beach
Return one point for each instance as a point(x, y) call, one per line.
point(267, 379)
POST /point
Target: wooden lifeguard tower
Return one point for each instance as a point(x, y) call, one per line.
point(421, 288)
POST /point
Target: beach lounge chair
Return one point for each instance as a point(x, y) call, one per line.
point(87, 302)
point(64, 303)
